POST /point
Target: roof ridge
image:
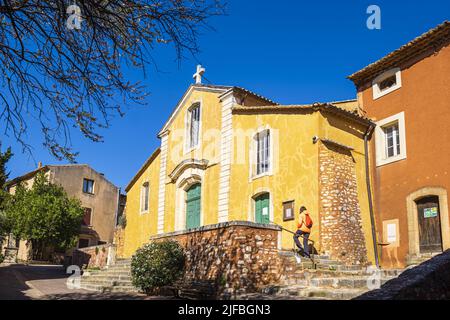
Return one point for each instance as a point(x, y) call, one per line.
point(315, 105)
point(445, 26)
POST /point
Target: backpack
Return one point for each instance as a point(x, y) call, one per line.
point(308, 221)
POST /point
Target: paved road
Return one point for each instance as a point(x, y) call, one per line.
point(25, 282)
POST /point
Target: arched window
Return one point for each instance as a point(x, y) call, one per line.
point(145, 192)
point(193, 125)
point(262, 208)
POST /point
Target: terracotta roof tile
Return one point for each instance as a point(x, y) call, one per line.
point(318, 106)
point(434, 37)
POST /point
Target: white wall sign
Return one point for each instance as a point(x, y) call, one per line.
point(391, 232)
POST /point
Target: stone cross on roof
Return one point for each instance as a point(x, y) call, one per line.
point(198, 75)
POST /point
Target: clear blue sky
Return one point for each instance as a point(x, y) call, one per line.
point(290, 51)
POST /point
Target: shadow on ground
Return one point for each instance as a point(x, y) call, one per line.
point(103, 296)
point(49, 282)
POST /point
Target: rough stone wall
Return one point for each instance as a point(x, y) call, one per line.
point(340, 217)
point(428, 281)
point(119, 242)
point(238, 256)
point(91, 257)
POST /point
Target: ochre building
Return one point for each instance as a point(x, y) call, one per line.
point(228, 154)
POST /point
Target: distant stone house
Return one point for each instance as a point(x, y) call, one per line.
point(98, 196)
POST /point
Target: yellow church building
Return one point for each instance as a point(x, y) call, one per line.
point(228, 154)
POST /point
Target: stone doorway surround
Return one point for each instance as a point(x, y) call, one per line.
point(413, 224)
point(186, 174)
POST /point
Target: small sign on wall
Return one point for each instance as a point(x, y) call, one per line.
point(430, 212)
point(288, 210)
point(391, 233)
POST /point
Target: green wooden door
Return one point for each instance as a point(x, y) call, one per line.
point(193, 206)
point(262, 208)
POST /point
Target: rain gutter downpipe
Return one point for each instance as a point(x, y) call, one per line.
point(369, 191)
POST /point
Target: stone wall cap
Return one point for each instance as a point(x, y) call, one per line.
point(221, 225)
point(106, 245)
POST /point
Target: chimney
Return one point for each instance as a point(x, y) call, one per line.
point(39, 164)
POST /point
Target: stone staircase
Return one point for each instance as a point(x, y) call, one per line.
point(322, 279)
point(319, 278)
point(116, 278)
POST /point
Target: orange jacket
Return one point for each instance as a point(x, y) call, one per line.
point(301, 225)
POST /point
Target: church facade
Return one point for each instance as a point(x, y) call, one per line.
point(228, 154)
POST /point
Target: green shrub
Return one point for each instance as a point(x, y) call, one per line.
point(2, 257)
point(156, 265)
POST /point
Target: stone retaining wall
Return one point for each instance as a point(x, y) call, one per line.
point(428, 281)
point(94, 257)
point(239, 256)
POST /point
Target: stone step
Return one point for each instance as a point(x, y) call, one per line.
point(107, 283)
point(123, 262)
point(421, 258)
point(122, 289)
point(331, 282)
point(290, 253)
point(119, 268)
point(349, 282)
point(392, 272)
point(108, 272)
point(108, 277)
point(100, 288)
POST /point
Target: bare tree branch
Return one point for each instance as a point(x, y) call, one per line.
point(66, 79)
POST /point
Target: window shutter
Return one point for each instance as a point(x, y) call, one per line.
point(87, 216)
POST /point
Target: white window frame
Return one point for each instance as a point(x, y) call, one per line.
point(187, 138)
point(380, 139)
point(377, 92)
point(254, 154)
point(144, 186)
